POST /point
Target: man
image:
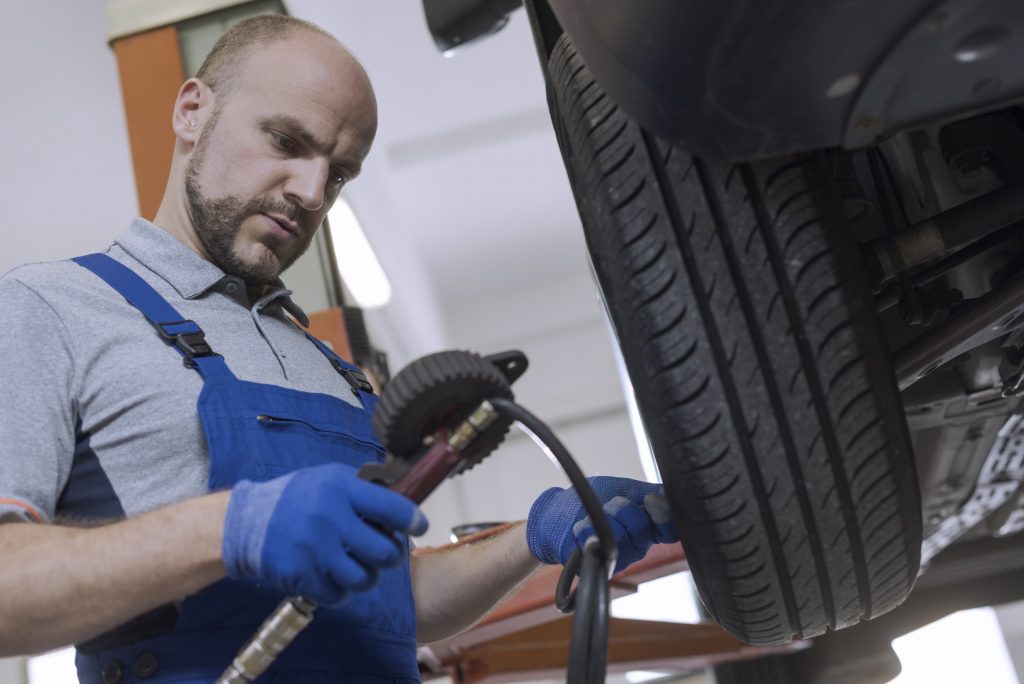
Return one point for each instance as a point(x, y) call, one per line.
point(174, 506)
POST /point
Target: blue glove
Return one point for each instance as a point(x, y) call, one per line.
point(637, 512)
point(319, 532)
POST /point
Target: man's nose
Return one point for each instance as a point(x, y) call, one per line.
point(306, 183)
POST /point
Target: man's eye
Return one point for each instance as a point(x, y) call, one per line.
point(284, 142)
point(337, 177)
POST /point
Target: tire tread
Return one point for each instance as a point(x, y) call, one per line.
point(788, 466)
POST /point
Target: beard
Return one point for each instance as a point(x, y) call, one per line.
point(218, 221)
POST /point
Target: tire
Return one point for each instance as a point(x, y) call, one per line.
point(764, 384)
point(775, 669)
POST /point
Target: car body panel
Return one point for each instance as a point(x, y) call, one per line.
point(746, 79)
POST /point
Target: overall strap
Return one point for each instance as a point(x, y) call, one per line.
point(178, 332)
point(355, 378)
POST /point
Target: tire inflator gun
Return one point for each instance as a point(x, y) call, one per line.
point(439, 417)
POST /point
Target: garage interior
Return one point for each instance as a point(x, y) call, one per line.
point(467, 206)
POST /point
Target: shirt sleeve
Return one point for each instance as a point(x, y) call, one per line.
point(37, 410)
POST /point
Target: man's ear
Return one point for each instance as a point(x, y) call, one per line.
point(193, 104)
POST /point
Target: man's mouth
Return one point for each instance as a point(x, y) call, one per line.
point(281, 226)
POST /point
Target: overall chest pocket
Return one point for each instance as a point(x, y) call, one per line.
point(291, 442)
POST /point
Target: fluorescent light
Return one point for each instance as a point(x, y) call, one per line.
point(357, 262)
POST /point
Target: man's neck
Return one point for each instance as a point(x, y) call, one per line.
point(174, 219)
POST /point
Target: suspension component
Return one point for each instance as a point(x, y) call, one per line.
point(975, 323)
point(918, 306)
point(957, 227)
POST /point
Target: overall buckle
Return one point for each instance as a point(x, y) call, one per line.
point(191, 343)
point(358, 381)
point(355, 378)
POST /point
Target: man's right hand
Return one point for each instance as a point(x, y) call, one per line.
point(320, 532)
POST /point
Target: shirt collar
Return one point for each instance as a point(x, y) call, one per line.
point(188, 273)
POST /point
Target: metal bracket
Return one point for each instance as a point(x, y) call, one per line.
point(999, 481)
point(983, 319)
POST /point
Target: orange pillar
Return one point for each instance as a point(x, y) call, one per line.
point(151, 72)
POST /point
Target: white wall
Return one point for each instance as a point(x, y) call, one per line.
point(65, 176)
point(12, 671)
point(66, 184)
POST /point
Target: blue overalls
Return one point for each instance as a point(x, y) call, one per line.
point(258, 432)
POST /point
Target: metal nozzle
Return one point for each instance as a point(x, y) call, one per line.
point(470, 428)
point(276, 632)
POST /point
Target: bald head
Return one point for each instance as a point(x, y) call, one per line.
point(226, 60)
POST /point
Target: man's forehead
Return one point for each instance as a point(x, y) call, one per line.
point(314, 82)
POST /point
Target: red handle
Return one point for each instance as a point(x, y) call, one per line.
point(429, 470)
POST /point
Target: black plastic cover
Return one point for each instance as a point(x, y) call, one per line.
point(743, 79)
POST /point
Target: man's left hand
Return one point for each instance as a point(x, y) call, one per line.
point(637, 512)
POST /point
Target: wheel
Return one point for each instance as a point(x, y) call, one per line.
point(763, 381)
point(775, 669)
point(437, 390)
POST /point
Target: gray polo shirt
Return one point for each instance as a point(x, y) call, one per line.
point(97, 414)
